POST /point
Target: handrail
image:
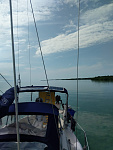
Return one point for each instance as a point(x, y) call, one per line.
point(86, 146)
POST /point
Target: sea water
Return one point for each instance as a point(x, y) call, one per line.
point(95, 110)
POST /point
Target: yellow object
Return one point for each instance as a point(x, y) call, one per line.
point(48, 97)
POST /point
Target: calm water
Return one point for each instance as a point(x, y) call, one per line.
point(95, 110)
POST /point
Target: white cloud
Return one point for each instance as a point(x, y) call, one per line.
point(89, 35)
point(42, 10)
point(96, 27)
point(71, 25)
point(82, 2)
point(96, 34)
point(71, 1)
point(97, 15)
point(60, 43)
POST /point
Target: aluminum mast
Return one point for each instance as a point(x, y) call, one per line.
point(14, 73)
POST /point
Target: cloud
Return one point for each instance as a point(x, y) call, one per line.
point(97, 15)
point(70, 27)
point(84, 3)
point(89, 35)
point(96, 34)
point(60, 43)
point(72, 2)
point(42, 10)
point(96, 27)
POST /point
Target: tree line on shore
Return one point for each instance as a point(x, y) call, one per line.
point(102, 78)
point(98, 78)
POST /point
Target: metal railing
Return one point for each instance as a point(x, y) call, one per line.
point(86, 145)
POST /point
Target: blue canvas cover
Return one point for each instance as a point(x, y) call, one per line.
point(34, 108)
point(51, 138)
point(71, 112)
point(6, 100)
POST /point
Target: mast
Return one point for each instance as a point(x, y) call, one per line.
point(14, 73)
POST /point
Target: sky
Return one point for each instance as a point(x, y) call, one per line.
point(57, 25)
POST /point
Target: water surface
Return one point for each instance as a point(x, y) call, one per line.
point(95, 111)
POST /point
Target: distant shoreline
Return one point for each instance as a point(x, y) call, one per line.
point(98, 78)
point(103, 78)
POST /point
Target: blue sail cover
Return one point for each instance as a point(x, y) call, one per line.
point(5, 101)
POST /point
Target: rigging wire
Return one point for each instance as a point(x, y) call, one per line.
point(18, 39)
point(43, 61)
point(39, 43)
point(29, 43)
point(78, 55)
point(5, 80)
point(77, 124)
point(8, 84)
point(18, 81)
point(77, 69)
point(1, 91)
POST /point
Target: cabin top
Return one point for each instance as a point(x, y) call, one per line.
point(42, 88)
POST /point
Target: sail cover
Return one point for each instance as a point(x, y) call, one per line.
point(6, 100)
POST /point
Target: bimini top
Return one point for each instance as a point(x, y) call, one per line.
point(28, 127)
point(34, 108)
point(42, 88)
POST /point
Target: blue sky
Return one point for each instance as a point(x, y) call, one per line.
point(57, 27)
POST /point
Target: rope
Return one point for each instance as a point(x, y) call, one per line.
point(77, 68)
